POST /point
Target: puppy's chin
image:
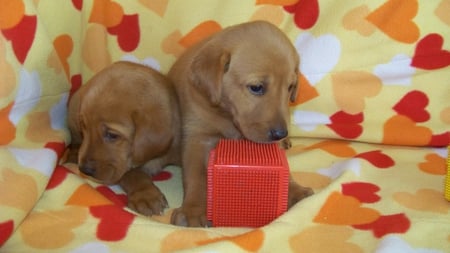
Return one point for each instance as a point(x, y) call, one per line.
point(256, 136)
point(107, 176)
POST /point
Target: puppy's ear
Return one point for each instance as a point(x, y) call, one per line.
point(152, 136)
point(293, 95)
point(208, 68)
point(73, 121)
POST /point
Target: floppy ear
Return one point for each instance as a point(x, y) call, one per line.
point(294, 91)
point(208, 67)
point(152, 136)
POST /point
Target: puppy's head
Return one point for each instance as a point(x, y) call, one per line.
point(121, 127)
point(251, 72)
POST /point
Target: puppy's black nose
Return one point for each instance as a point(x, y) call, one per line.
point(88, 169)
point(278, 134)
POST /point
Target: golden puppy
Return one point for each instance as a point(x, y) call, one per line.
point(124, 125)
point(234, 84)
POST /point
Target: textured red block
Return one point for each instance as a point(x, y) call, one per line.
point(247, 183)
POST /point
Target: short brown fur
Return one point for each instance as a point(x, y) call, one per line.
point(125, 126)
point(234, 84)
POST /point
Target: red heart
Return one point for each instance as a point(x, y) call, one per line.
point(440, 140)
point(114, 222)
point(58, 147)
point(162, 176)
point(118, 199)
point(6, 230)
point(58, 176)
point(347, 125)
point(78, 4)
point(364, 192)
point(22, 36)
point(429, 53)
point(76, 81)
point(306, 13)
point(128, 34)
point(377, 158)
point(412, 105)
point(387, 224)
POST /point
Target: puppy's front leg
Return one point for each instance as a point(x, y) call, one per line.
point(297, 192)
point(143, 196)
point(192, 212)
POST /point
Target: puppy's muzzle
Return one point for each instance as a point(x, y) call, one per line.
point(88, 168)
point(277, 134)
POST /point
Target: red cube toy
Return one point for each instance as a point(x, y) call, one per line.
point(247, 183)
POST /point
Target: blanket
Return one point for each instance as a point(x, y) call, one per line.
point(370, 126)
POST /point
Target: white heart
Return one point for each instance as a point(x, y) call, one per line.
point(394, 244)
point(92, 247)
point(149, 62)
point(58, 113)
point(318, 56)
point(308, 120)
point(337, 169)
point(27, 96)
point(396, 72)
point(42, 160)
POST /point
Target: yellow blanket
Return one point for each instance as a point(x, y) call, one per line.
point(370, 126)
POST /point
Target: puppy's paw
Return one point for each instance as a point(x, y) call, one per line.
point(285, 143)
point(148, 201)
point(190, 216)
point(297, 193)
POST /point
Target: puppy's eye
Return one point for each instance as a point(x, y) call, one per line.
point(110, 136)
point(257, 89)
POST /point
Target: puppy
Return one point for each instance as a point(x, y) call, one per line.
point(235, 84)
point(124, 125)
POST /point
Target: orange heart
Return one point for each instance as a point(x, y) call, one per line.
point(350, 88)
point(445, 115)
point(106, 12)
point(8, 80)
point(434, 164)
point(271, 13)
point(250, 241)
point(442, 11)
point(200, 32)
point(402, 130)
point(10, 180)
point(170, 44)
point(8, 128)
point(158, 6)
point(11, 13)
point(305, 91)
point(355, 20)
point(335, 147)
point(63, 46)
point(56, 235)
point(394, 18)
point(311, 179)
point(181, 239)
point(345, 210)
point(337, 238)
point(95, 52)
point(423, 200)
point(277, 2)
point(85, 195)
point(41, 121)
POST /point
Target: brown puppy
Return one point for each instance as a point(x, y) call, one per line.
point(124, 126)
point(234, 84)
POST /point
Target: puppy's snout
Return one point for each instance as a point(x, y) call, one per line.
point(88, 168)
point(277, 134)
